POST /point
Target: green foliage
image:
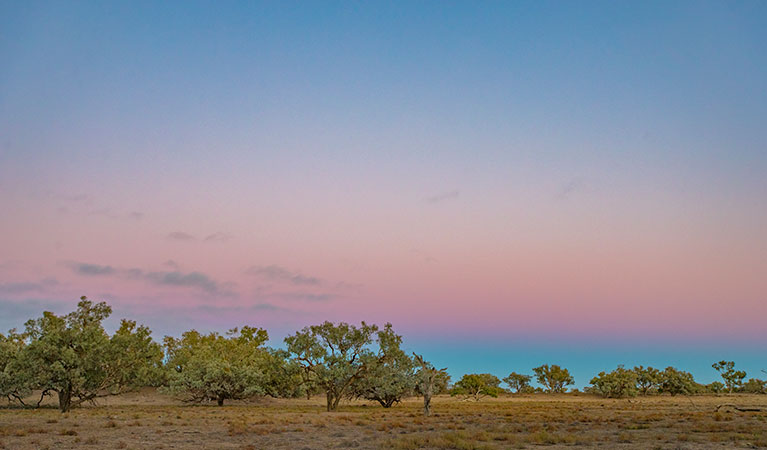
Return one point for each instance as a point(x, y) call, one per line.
point(733, 379)
point(333, 356)
point(755, 386)
point(553, 378)
point(283, 377)
point(390, 375)
point(216, 367)
point(429, 381)
point(14, 385)
point(715, 387)
point(477, 385)
point(74, 357)
point(519, 383)
point(675, 382)
point(648, 379)
point(616, 384)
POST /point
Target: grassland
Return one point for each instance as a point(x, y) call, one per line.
point(147, 420)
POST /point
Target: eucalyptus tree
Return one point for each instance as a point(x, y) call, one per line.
point(732, 378)
point(477, 385)
point(674, 381)
point(518, 382)
point(429, 380)
point(205, 367)
point(75, 358)
point(648, 379)
point(14, 385)
point(617, 384)
point(553, 378)
point(390, 375)
point(335, 356)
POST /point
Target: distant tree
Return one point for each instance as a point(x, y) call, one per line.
point(647, 379)
point(715, 387)
point(335, 356)
point(675, 382)
point(616, 384)
point(429, 381)
point(732, 378)
point(477, 385)
point(554, 378)
point(74, 357)
point(390, 374)
point(518, 383)
point(219, 368)
point(755, 386)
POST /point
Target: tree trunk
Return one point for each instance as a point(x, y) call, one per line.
point(220, 400)
point(329, 397)
point(427, 404)
point(65, 399)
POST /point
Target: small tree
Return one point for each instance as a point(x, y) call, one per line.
point(74, 357)
point(675, 382)
point(732, 378)
point(477, 385)
point(429, 380)
point(616, 384)
point(335, 355)
point(755, 386)
point(553, 378)
point(216, 367)
point(647, 379)
point(390, 375)
point(518, 383)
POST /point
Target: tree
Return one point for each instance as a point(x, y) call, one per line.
point(616, 384)
point(647, 379)
point(14, 384)
point(335, 355)
point(553, 378)
point(216, 367)
point(74, 357)
point(429, 381)
point(477, 385)
point(518, 382)
point(675, 382)
point(390, 375)
point(732, 378)
point(755, 386)
point(715, 387)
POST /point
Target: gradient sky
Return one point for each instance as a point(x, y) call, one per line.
point(508, 183)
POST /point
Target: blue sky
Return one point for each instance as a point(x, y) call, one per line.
point(582, 182)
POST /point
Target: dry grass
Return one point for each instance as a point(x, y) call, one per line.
point(148, 420)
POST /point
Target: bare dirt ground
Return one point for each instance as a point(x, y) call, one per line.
point(148, 420)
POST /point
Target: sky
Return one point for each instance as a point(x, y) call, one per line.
point(508, 183)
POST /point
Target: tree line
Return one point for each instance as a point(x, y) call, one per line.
point(73, 357)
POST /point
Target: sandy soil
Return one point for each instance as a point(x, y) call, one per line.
point(148, 420)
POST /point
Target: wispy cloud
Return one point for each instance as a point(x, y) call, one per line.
point(27, 287)
point(444, 196)
point(281, 274)
point(304, 296)
point(183, 236)
point(191, 279)
point(92, 269)
point(180, 236)
point(217, 237)
point(566, 190)
point(173, 278)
